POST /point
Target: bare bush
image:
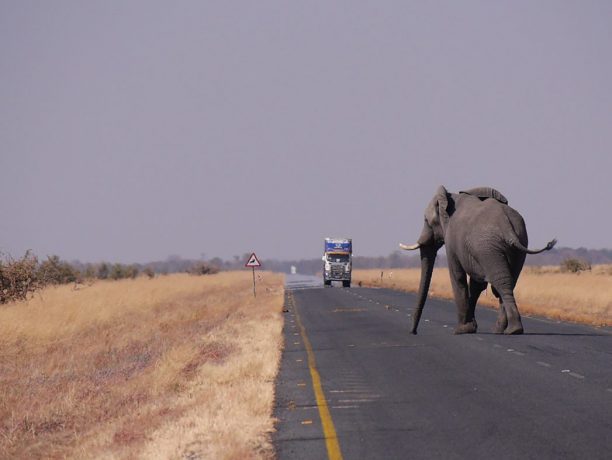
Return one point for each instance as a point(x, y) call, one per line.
point(18, 277)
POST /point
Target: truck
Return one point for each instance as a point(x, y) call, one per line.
point(337, 261)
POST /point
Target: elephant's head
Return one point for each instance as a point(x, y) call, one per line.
point(431, 240)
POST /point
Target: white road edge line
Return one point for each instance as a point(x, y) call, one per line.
point(355, 400)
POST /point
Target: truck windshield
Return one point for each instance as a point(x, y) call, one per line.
point(338, 257)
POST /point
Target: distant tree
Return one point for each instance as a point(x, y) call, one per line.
point(216, 262)
point(55, 271)
point(395, 259)
point(89, 272)
point(103, 271)
point(118, 272)
point(130, 271)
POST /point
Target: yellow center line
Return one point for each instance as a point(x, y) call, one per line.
point(329, 431)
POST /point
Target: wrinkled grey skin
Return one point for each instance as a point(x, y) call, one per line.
point(486, 240)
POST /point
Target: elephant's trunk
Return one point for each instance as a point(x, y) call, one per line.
point(428, 259)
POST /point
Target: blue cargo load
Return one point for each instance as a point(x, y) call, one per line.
point(338, 245)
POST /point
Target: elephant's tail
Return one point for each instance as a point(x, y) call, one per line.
point(517, 244)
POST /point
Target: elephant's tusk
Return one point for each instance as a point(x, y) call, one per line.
point(409, 248)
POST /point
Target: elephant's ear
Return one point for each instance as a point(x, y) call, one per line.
point(442, 197)
point(486, 192)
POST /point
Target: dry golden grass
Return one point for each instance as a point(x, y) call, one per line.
point(165, 368)
point(544, 291)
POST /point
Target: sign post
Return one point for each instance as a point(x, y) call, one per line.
point(253, 262)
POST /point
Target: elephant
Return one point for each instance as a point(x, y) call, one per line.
point(486, 240)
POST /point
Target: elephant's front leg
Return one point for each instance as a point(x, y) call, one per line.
point(476, 288)
point(466, 325)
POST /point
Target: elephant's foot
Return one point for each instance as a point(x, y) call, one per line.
point(468, 328)
point(514, 330)
point(500, 326)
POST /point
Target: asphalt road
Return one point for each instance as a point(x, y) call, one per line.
point(355, 384)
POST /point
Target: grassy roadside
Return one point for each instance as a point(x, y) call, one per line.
point(543, 291)
point(165, 368)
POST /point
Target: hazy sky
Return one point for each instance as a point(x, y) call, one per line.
point(132, 130)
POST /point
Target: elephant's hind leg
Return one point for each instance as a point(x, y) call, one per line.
point(503, 283)
point(502, 320)
point(504, 287)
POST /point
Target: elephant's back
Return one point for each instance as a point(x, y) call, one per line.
point(499, 219)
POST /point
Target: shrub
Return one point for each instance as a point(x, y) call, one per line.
point(573, 265)
point(55, 271)
point(149, 272)
point(202, 268)
point(18, 278)
point(120, 271)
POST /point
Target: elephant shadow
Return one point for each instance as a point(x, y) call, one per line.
point(559, 334)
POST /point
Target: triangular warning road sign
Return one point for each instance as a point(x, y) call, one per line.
point(253, 261)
